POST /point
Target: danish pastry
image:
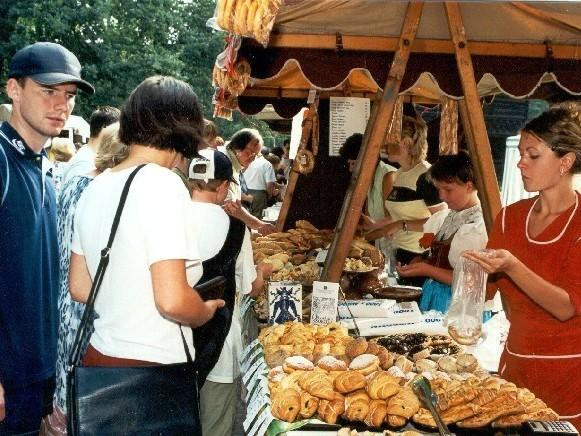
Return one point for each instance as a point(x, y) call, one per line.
point(309, 405)
point(349, 381)
point(286, 405)
point(365, 364)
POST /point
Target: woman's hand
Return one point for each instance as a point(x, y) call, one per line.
point(366, 223)
point(493, 261)
point(391, 229)
point(416, 269)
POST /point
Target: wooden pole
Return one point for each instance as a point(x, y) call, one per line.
point(480, 179)
point(294, 173)
point(481, 152)
point(369, 153)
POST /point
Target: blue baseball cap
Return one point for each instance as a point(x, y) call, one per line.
point(48, 63)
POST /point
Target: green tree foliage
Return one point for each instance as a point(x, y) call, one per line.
point(121, 42)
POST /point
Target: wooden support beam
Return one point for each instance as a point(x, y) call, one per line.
point(546, 17)
point(372, 140)
point(481, 153)
point(480, 178)
point(389, 44)
point(294, 173)
point(267, 92)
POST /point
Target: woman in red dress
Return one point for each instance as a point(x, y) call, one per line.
point(536, 261)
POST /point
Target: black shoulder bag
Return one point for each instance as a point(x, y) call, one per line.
point(160, 400)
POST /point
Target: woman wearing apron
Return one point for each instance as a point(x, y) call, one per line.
point(536, 263)
point(449, 232)
point(413, 198)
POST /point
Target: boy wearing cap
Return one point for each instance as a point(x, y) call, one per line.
point(42, 84)
point(226, 250)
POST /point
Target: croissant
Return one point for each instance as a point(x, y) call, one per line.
point(377, 413)
point(318, 385)
point(349, 381)
point(329, 411)
point(309, 405)
point(286, 404)
point(382, 385)
point(404, 403)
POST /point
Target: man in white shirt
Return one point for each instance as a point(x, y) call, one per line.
point(260, 180)
point(210, 177)
point(83, 162)
point(242, 149)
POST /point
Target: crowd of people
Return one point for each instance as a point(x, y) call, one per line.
point(185, 177)
point(52, 237)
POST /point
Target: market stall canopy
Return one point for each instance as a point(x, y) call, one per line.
point(344, 47)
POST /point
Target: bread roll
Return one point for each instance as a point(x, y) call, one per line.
point(356, 348)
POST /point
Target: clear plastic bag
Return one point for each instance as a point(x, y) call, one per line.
point(468, 292)
point(249, 18)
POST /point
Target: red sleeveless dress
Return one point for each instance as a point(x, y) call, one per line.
point(542, 353)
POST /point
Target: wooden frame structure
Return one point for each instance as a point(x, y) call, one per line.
point(294, 174)
point(470, 108)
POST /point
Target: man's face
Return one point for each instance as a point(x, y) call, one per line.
point(41, 110)
point(249, 153)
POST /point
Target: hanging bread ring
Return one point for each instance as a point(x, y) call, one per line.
point(306, 161)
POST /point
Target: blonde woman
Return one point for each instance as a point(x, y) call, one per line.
point(413, 198)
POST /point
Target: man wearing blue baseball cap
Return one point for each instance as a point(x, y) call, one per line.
point(43, 79)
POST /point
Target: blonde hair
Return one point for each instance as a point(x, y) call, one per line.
point(61, 150)
point(560, 129)
point(111, 150)
point(414, 132)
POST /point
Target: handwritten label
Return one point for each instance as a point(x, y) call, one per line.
point(252, 371)
point(324, 302)
point(249, 348)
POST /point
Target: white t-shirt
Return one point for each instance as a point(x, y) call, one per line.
point(82, 163)
point(228, 366)
point(258, 174)
point(154, 227)
point(470, 236)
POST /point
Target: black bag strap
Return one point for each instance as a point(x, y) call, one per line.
point(87, 319)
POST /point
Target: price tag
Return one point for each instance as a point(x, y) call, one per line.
point(265, 416)
point(312, 95)
point(249, 348)
point(259, 364)
point(256, 384)
point(255, 404)
point(246, 363)
point(264, 427)
point(321, 257)
point(324, 302)
point(247, 303)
